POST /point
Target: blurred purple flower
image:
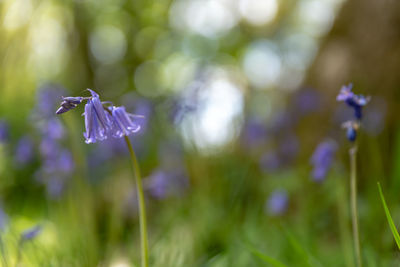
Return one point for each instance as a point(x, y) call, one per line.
point(55, 187)
point(282, 121)
point(24, 151)
point(307, 101)
point(355, 101)
point(165, 183)
point(53, 129)
point(277, 203)
point(4, 131)
point(254, 133)
point(47, 98)
point(270, 161)
point(3, 218)
point(322, 159)
point(31, 233)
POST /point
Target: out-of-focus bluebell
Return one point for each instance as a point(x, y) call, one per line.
point(52, 128)
point(31, 233)
point(355, 101)
point(55, 186)
point(4, 131)
point(47, 99)
point(270, 162)
point(3, 218)
point(254, 133)
point(277, 203)
point(307, 101)
point(49, 148)
point(24, 151)
point(164, 183)
point(322, 159)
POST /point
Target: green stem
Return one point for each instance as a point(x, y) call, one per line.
point(353, 199)
point(142, 206)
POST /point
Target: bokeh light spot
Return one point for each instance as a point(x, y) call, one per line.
point(108, 44)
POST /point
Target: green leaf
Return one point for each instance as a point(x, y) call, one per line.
point(389, 218)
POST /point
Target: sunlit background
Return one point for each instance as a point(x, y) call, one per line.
point(236, 95)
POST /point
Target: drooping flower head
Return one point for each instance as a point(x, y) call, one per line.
point(69, 103)
point(322, 159)
point(101, 122)
point(351, 129)
point(355, 101)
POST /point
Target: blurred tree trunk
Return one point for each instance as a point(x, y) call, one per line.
point(363, 47)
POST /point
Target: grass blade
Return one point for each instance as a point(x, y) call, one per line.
point(267, 259)
point(389, 218)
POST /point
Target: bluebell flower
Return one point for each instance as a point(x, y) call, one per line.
point(163, 183)
point(123, 124)
point(307, 101)
point(69, 103)
point(277, 203)
point(97, 121)
point(254, 133)
point(322, 159)
point(351, 129)
point(355, 101)
point(4, 131)
point(31, 233)
point(24, 151)
point(102, 122)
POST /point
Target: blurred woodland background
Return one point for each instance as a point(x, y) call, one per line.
point(236, 96)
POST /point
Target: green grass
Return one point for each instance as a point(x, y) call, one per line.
point(389, 218)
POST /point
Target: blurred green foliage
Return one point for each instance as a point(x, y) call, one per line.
point(161, 52)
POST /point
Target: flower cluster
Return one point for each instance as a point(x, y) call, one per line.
point(57, 163)
point(357, 102)
point(102, 119)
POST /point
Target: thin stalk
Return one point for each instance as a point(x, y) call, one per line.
point(353, 200)
point(142, 206)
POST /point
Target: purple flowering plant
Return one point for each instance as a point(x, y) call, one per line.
point(356, 102)
point(322, 159)
point(103, 120)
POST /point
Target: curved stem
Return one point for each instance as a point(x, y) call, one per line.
point(353, 200)
point(142, 206)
